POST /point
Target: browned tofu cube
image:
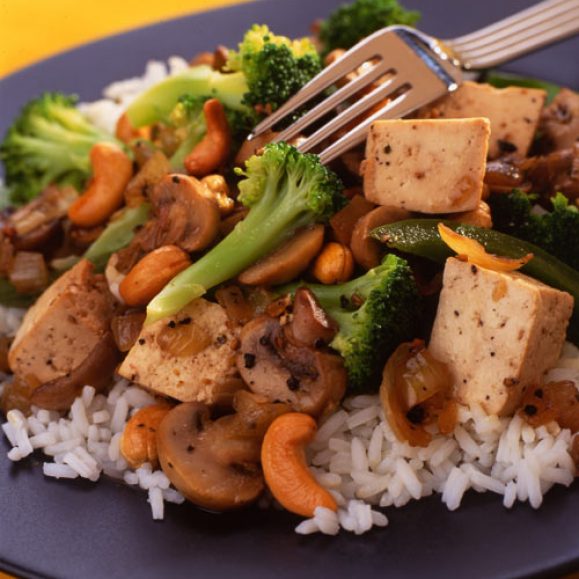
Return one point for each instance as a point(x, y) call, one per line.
point(498, 332)
point(430, 166)
point(189, 357)
point(513, 112)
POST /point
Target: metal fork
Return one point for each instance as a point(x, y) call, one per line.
point(413, 69)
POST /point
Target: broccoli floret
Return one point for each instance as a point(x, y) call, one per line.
point(351, 22)
point(556, 231)
point(48, 143)
point(265, 71)
point(375, 313)
point(284, 190)
point(275, 66)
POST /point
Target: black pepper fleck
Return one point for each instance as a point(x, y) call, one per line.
point(249, 360)
point(176, 179)
point(387, 149)
point(293, 383)
point(456, 313)
point(141, 341)
point(506, 146)
point(185, 321)
point(221, 340)
point(474, 269)
point(530, 409)
point(416, 414)
point(538, 393)
point(172, 324)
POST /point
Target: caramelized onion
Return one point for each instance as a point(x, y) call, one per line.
point(28, 273)
point(415, 393)
point(558, 401)
point(474, 252)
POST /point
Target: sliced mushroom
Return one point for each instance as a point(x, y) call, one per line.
point(287, 262)
point(152, 171)
point(310, 326)
point(310, 380)
point(96, 370)
point(344, 221)
point(367, 251)
point(215, 464)
point(185, 215)
point(252, 147)
point(560, 120)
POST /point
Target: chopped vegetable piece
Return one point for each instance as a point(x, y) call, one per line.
point(420, 237)
point(474, 252)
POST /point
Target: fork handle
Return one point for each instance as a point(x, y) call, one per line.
point(518, 34)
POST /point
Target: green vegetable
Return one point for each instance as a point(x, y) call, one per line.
point(421, 237)
point(556, 231)
point(9, 297)
point(48, 143)
point(375, 312)
point(351, 22)
point(504, 79)
point(285, 190)
point(266, 70)
point(117, 234)
point(275, 66)
point(158, 102)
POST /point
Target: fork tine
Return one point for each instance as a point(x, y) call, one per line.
point(356, 56)
point(400, 106)
point(382, 92)
point(333, 101)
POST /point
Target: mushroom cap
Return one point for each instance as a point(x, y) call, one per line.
point(310, 380)
point(215, 464)
point(366, 250)
point(186, 214)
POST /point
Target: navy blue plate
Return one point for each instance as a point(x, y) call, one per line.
point(81, 530)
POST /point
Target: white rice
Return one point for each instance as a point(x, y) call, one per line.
point(85, 442)
point(356, 456)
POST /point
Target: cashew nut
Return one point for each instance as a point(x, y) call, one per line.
point(215, 146)
point(285, 469)
point(152, 273)
point(219, 190)
point(112, 170)
point(139, 439)
point(335, 264)
point(126, 133)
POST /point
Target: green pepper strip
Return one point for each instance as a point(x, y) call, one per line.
point(420, 237)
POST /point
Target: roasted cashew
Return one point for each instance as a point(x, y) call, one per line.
point(215, 146)
point(139, 438)
point(285, 469)
point(219, 189)
point(335, 264)
point(152, 273)
point(112, 170)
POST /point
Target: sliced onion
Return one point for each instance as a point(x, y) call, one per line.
point(474, 252)
point(29, 273)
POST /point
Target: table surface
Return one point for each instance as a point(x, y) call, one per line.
point(34, 29)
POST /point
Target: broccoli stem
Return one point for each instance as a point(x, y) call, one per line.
point(268, 224)
point(157, 103)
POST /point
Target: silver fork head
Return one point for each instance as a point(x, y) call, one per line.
point(411, 67)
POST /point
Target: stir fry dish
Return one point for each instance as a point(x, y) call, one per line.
point(230, 322)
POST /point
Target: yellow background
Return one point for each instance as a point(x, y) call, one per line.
point(34, 29)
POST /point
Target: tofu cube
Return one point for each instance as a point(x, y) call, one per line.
point(189, 357)
point(430, 166)
point(498, 332)
point(513, 112)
